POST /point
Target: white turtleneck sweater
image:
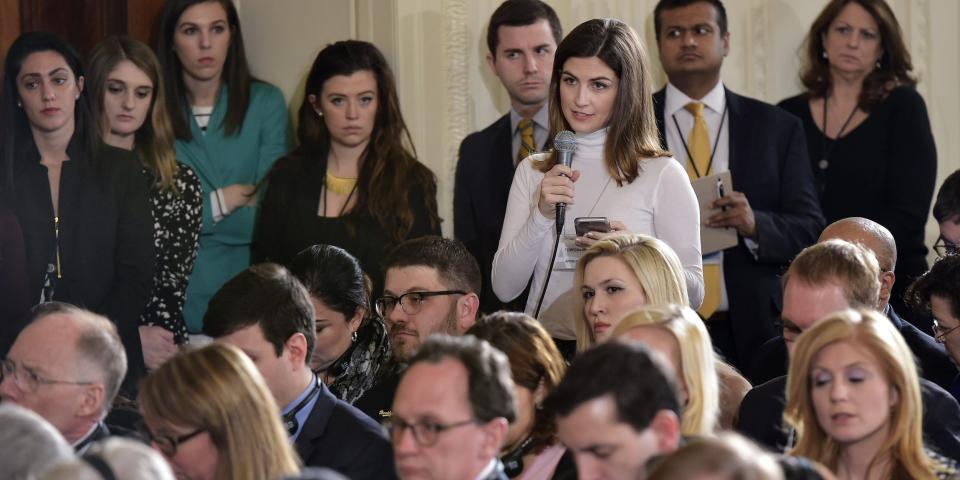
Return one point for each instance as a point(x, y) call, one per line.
point(660, 202)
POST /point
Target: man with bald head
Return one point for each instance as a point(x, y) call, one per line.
point(932, 358)
point(66, 366)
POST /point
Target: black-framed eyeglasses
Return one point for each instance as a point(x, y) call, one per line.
point(940, 333)
point(942, 247)
point(167, 444)
point(425, 433)
point(410, 302)
point(28, 380)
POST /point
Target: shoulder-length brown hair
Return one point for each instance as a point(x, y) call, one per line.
point(895, 64)
point(154, 140)
point(218, 389)
point(236, 74)
point(389, 169)
point(632, 136)
point(534, 361)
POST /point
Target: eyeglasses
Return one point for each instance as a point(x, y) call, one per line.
point(940, 333)
point(425, 433)
point(410, 302)
point(167, 444)
point(943, 248)
point(28, 380)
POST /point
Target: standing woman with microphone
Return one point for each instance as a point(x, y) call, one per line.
point(601, 91)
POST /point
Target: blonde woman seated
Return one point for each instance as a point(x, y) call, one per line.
point(678, 333)
point(853, 398)
point(210, 414)
point(619, 274)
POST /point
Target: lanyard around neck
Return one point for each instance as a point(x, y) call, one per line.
point(723, 117)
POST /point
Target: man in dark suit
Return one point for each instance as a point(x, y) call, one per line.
point(452, 410)
point(267, 313)
point(522, 37)
point(932, 358)
point(66, 366)
point(824, 278)
point(773, 204)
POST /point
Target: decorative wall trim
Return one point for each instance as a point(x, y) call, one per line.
point(456, 52)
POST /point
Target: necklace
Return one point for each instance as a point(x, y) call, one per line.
point(825, 160)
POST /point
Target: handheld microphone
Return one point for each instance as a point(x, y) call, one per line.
point(564, 145)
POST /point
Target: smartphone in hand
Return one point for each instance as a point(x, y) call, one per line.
point(584, 225)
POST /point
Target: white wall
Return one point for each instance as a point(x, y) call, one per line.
point(436, 48)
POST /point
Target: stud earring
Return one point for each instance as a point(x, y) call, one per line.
point(19, 105)
point(878, 65)
point(824, 54)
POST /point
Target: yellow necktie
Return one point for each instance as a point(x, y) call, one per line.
point(527, 144)
point(698, 144)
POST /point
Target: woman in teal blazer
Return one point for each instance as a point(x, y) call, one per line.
point(230, 129)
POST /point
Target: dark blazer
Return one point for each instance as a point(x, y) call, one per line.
point(933, 363)
point(768, 163)
point(14, 296)
point(483, 179)
point(377, 402)
point(106, 237)
point(761, 417)
point(340, 437)
point(100, 433)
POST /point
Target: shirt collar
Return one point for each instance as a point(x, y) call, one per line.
point(487, 471)
point(540, 119)
point(715, 99)
point(304, 412)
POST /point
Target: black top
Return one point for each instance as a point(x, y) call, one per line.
point(289, 220)
point(15, 299)
point(106, 237)
point(176, 234)
point(884, 169)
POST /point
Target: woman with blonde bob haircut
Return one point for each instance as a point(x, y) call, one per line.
point(618, 274)
point(210, 414)
point(842, 368)
point(689, 350)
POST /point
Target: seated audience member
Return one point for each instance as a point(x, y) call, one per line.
point(66, 366)
point(824, 278)
point(114, 458)
point(938, 292)
point(352, 345)
point(28, 444)
point(432, 286)
point(678, 333)
point(854, 400)
point(726, 457)
point(452, 410)
point(617, 407)
point(531, 450)
point(934, 363)
point(618, 274)
point(265, 312)
point(946, 211)
point(210, 414)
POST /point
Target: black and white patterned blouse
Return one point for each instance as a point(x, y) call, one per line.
point(177, 216)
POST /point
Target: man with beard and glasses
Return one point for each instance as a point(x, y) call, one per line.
point(431, 285)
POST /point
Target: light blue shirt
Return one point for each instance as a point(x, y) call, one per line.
point(304, 412)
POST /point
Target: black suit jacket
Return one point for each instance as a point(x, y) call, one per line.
point(768, 163)
point(933, 363)
point(761, 417)
point(106, 237)
point(340, 437)
point(483, 179)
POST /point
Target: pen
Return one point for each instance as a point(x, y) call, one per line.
point(721, 193)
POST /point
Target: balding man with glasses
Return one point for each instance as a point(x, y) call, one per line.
point(66, 366)
point(431, 285)
point(452, 410)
